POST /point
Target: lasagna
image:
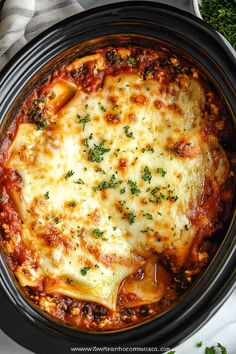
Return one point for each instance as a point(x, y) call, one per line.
point(114, 180)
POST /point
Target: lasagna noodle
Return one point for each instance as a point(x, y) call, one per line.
point(88, 239)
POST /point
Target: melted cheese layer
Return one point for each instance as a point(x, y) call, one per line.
point(103, 188)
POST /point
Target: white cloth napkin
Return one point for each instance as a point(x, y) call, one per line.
point(22, 20)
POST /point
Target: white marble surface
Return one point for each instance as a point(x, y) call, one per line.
point(221, 328)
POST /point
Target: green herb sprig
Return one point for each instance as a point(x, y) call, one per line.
point(96, 153)
point(84, 120)
point(146, 175)
point(111, 184)
point(128, 133)
point(84, 271)
point(134, 188)
point(222, 16)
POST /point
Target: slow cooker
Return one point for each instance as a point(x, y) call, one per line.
point(130, 23)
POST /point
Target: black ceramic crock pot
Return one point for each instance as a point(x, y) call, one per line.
point(127, 23)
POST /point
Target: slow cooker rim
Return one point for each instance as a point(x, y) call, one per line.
point(93, 11)
point(20, 59)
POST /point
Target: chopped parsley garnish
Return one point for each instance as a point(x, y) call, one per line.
point(122, 202)
point(170, 196)
point(57, 220)
point(84, 120)
point(146, 175)
point(148, 216)
point(98, 233)
point(80, 231)
point(131, 218)
point(86, 141)
point(115, 107)
point(79, 181)
point(96, 153)
point(86, 144)
point(46, 195)
point(173, 198)
point(72, 204)
point(223, 349)
point(86, 106)
point(154, 191)
point(133, 187)
point(101, 171)
point(84, 270)
point(148, 148)
point(69, 174)
point(222, 16)
point(122, 191)
point(213, 350)
point(102, 107)
point(199, 344)
point(158, 198)
point(111, 184)
point(132, 60)
point(147, 230)
point(210, 350)
point(41, 124)
point(161, 171)
point(128, 133)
